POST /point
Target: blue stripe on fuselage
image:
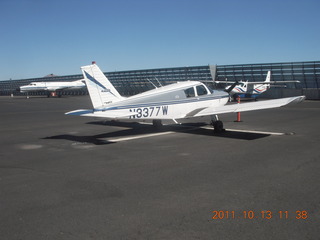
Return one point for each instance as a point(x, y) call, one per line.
point(154, 104)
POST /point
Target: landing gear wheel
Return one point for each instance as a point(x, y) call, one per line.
point(218, 126)
point(157, 124)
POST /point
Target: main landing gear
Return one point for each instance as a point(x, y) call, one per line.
point(217, 124)
point(157, 124)
point(54, 94)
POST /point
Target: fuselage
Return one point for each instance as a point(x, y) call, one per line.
point(239, 88)
point(244, 90)
point(174, 101)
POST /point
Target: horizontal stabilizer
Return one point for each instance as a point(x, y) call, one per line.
point(101, 114)
point(79, 112)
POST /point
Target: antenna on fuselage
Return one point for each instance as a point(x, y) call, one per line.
point(158, 81)
point(151, 83)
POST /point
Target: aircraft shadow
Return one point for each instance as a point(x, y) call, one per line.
point(192, 128)
point(229, 134)
point(136, 129)
point(80, 139)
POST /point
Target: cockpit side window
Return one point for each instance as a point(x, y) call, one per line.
point(189, 92)
point(210, 89)
point(201, 90)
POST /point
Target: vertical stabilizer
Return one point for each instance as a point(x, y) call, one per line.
point(268, 77)
point(101, 91)
point(260, 88)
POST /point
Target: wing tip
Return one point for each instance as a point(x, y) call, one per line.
point(298, 99)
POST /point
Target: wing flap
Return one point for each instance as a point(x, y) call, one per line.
point(194, 112)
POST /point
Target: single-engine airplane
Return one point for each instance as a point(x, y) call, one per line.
point(173, 102)
point(52, 87)
point(252, 89)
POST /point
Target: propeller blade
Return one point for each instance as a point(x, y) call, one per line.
point(232, 86)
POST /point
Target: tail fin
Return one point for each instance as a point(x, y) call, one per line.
point(101, 91)
point(267, 86)
point(268, 77)
point(260, 88)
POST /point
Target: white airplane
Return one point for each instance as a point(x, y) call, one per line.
point(252, 89)
point(173, 102)
point(52, 87)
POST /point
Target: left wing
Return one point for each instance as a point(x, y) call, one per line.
point(252, 106)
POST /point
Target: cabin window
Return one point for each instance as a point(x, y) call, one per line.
point(189, 92)
point(210, 89)
point(201, 90)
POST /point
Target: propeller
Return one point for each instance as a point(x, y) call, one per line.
point(232, 86)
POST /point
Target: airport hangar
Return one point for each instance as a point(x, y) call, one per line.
point(136, 81)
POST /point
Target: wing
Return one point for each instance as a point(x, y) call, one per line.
point(197, 112)
point(274, 82)
point(252, 106)
point(271, 82)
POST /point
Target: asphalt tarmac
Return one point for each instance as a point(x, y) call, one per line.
point(68, 177)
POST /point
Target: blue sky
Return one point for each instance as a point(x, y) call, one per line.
point(42, 37)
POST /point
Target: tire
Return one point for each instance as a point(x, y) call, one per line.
point(218, 127)
point(157, 124)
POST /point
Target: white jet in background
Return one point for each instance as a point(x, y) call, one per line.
point(173, 102)
point(52, 87)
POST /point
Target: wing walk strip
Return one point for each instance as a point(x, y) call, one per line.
point(170, 132)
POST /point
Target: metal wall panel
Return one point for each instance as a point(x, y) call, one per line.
point(136, 81)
